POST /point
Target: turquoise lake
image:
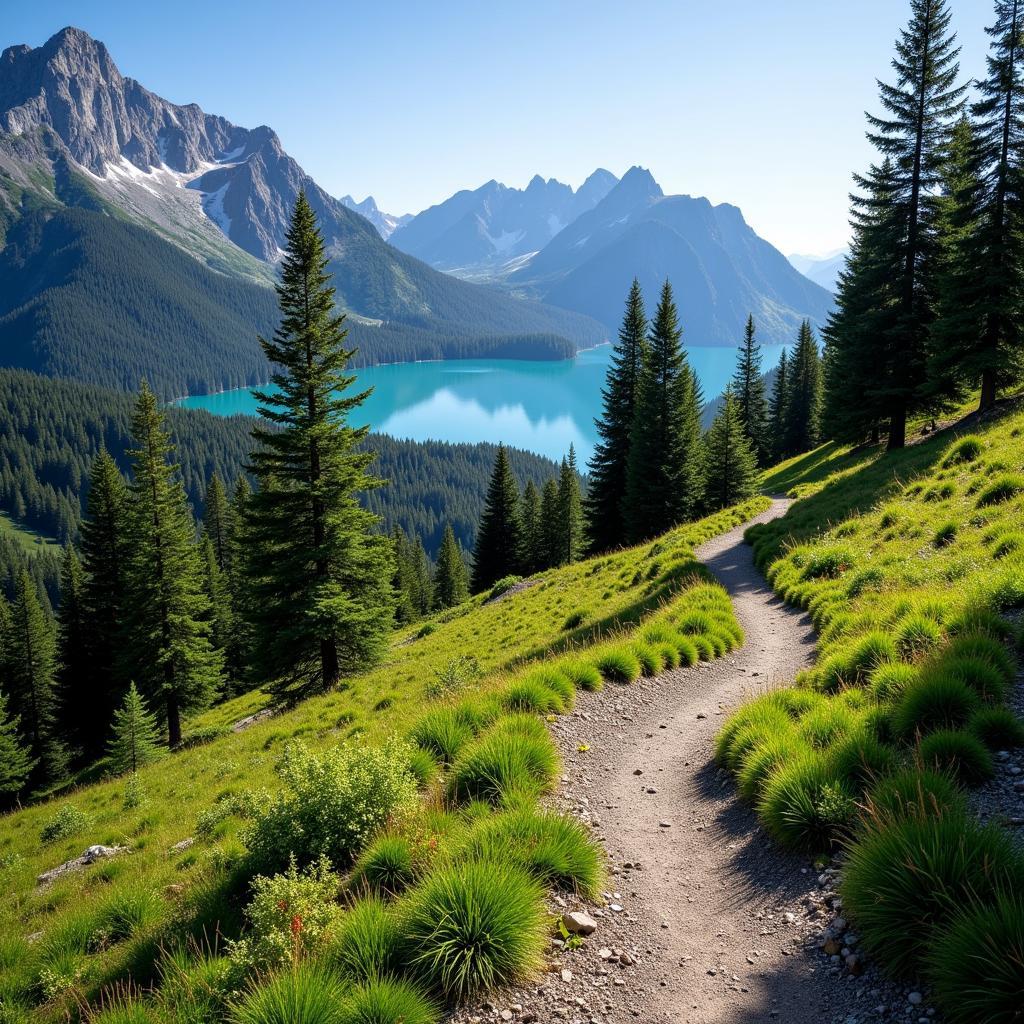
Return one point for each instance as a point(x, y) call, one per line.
point(540, 406)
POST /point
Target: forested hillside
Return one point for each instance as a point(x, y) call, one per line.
point(51, 430)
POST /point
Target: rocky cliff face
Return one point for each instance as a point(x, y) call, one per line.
point(68, 99)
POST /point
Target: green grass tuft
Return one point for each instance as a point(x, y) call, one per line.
point(619, 665)
point(386, 1001)
point(960, 753)
point(305, 993)
point(936, 701)
point(367, 942)
point(503, 762)
point(913, 792)
point(997, 728)
point(475, 927)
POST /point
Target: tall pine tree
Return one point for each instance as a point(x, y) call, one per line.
point(15, 762)
point(913, 132)
point(777, 408)
point(570, 511)
point(217, 523)
point(665, 478)
point(167, 650)
point(451, 581)
point(608, 465)
point(731, 464)
point(803, 408)
point(29, 658)
point(532, 554)
point(550, 525)
point(498, 539)
point(319, 572)
point(104, 553)
point(980, 335)
point(76, 693)
point(749, 393)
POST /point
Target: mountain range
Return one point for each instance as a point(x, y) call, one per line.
point(823, 270)
point(385, 223)
point(85, 152)
point(494, 224)
point(720, 269)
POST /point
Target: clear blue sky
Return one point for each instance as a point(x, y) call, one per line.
point(753, 103)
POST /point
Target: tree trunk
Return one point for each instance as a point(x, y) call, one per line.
point(173, 720)
point(897, 427)
point(329, 661)
point(988, 389)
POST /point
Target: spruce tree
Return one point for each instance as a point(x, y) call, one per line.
point(665, 478)
point(749, 392)
point(981, 336)
point(76, 690)
point(218, 594)
point(16, 764)
point(570, 511)
point(451, 581)
point(913, 133)
point(217, 523)
point(135, 741)
point(864, 333)
point(104, 553)
point(777, 416)
point(319, 573)
point(29, 658)
point(731, 464)
point(550, 525)
point(167, 649)
point(531, 556)
point(403, 582)
point(499, 538)
point(803, 408)
point(608, 465)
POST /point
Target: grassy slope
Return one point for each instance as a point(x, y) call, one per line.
point(25, 536)
point(615, 592)
point(896, 556)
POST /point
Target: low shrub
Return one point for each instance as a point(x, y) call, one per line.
point(366, 943)
point(912, 791)
point(961, 754)
point(619, 665)
point(333, 803)
point(386, 1001)
point(556, 850)
point(891, 680)
point(1002, 489)
point(388, 865)
point(904, 878)
point(975, 966)
point(474, 927)
point(582, 674)
point(804, 805)
point(935, 701)
point(917, 635)
point(68, 821)
point(304, 993)
point(997, 728)
point(503, 762)
point(288, 913)
point(442, 732)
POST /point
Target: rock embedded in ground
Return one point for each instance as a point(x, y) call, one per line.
point(578, 923)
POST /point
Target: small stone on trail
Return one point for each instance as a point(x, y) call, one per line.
point(915, 999)
point(701, 714)
point(566, 975)
point(578, 923)
point(638, 771)
point(664, 824)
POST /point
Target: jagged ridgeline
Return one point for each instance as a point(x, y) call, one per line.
point(140, 238)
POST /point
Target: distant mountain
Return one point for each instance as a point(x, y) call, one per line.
point(823, 270)
point(480, 230)
point(75, 134)
point(385, 223)
point(719, 268)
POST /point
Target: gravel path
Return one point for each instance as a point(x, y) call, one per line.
point(705, 920)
